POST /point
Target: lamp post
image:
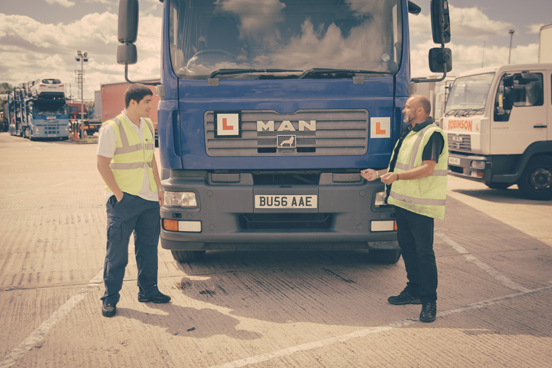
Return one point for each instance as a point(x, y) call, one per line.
point(510, 53)
point(83, 58)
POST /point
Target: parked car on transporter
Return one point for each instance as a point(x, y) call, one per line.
point(48, 88)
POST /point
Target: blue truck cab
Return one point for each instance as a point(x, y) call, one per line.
point(268, 115)
point(36, 118)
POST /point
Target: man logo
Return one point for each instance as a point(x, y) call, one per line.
point(286, 140)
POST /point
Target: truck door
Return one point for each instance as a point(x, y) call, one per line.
point(520, 114)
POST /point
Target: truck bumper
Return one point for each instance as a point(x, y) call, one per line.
point(473, 167)
point(226, 218)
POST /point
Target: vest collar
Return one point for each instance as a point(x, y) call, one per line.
point(407, 128)
point(131, 123)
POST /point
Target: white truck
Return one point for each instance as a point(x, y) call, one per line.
point(496, 120)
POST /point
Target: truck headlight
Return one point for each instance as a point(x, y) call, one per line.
point(479, 165)
point(180, 199)
point(379, 200)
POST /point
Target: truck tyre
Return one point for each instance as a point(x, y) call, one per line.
point(536, 180)
point(188, 255)
point(498, 185)
point(384, 256)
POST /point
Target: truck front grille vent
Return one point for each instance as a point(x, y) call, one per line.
point(303, 133)
point(252, 221)
point(286, 179)
point(459, 142)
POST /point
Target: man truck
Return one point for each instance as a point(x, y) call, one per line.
point(496, 120)
point(268, 113)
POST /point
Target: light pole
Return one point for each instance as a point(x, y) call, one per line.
point(510, 53)
point(82, 57)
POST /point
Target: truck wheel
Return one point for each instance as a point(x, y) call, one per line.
point(385, 256)
point(188, 255)
point(498, 185)
point(536, 180)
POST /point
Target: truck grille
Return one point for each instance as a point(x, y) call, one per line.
point(334, 132)
point(250, 221)
point(459, 142)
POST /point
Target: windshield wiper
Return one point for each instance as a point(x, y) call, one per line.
point(246, 71)
point(464, 112)
point(335, 73)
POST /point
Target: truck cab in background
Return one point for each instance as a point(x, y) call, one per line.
point(498, 122)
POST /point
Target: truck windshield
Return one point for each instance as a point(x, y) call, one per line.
point(285, 38)
point(469, 94)
point(49, 109)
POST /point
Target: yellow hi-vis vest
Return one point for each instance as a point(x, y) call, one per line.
point(132, 156)
point(425, 196)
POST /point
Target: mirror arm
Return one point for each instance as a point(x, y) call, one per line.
point(131, 82)
point(419, 80)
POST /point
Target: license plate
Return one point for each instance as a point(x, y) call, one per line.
point(52, 135)
point(286, 201)
point(454, 161)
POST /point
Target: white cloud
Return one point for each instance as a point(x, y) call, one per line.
point(65, 3)
point(535, 28)
point(30, 50)
point(466, 23)
point(465, 58)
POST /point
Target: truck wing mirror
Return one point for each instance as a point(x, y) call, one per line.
point(127, 54)
point(440, 60)
point(440, 21)
point(128, 21)
point(508, 101)
point(127, 34)
point(413, 8)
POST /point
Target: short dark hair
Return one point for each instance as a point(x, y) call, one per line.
point(136, 92)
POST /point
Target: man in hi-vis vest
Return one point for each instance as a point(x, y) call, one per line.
point(133, 193)
point(416, 183)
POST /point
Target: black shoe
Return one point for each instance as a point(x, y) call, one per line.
point(404, 298)
point(429, 310)
point(108, 309)
point(157, 298)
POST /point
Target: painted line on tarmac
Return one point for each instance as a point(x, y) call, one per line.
point(369, 331)
point(34, 190)
point(485, 267)
point(38, 335)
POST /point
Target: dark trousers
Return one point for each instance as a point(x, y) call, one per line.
point(415, 236)
point(131, 214)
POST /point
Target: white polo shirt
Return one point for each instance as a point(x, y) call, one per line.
point(107, 143)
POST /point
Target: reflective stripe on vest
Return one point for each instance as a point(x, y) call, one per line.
point(425, 196)
point(132, 156)
point(126, 148)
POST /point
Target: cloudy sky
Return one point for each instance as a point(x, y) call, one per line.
point(40, 38)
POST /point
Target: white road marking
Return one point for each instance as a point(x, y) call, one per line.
point(485, 267)
point(38, 335)
point(34, 190)
point(362, 333)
